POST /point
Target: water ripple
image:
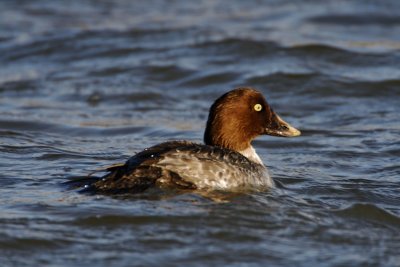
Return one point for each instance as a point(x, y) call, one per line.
point(370, 212)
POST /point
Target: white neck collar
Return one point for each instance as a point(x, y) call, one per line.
point(251, 154)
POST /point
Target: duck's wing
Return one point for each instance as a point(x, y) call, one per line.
point(140, 172)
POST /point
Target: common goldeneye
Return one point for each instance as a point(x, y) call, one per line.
point(227, 161)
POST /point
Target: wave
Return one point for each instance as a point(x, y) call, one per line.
point(367, 19)
point(370, 212)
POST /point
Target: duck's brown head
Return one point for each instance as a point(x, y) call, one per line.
point(239, 116)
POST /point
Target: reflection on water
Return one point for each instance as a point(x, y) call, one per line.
point(86, 84)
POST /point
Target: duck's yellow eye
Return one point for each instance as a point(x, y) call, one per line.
point(257, 107)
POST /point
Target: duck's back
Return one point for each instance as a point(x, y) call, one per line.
point(185, 165)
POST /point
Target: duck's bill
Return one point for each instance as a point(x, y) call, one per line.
point(282, 128)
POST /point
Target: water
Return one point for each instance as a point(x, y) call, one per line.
point(85, 84)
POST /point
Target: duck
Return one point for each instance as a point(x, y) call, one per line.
point(226, 161)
